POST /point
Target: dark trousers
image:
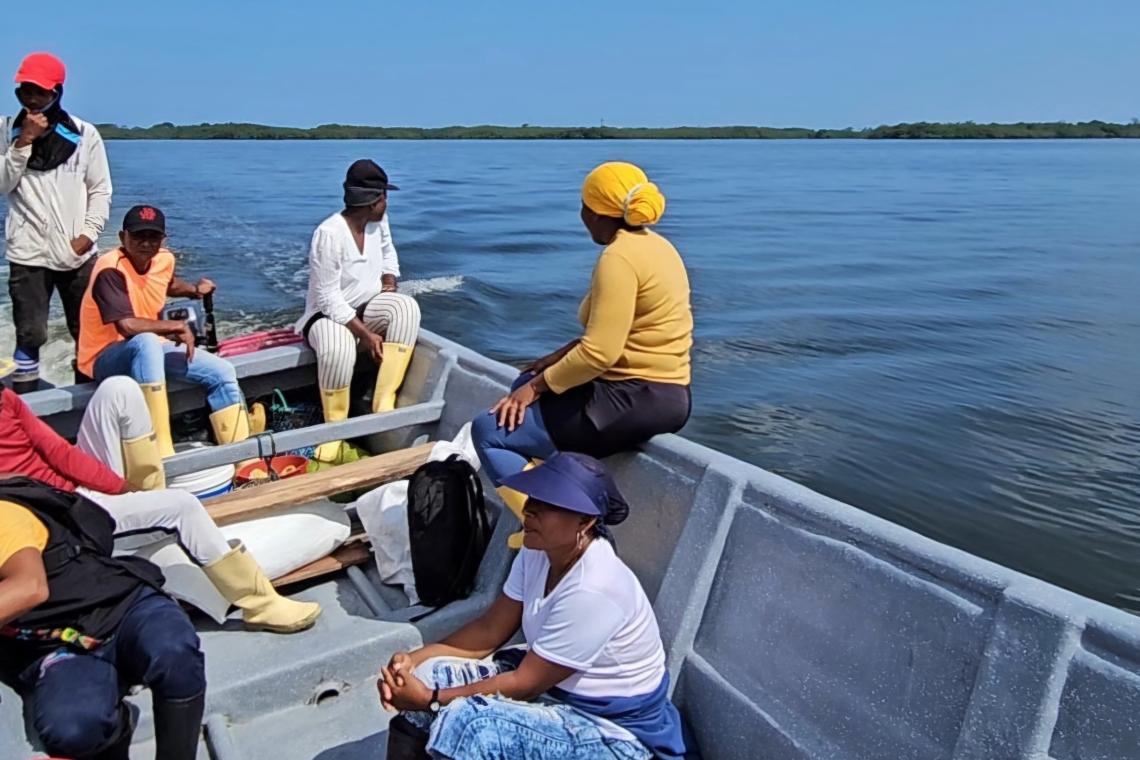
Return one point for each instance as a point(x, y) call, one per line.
point(604, 417)
point(31, 288)
point(76, 697)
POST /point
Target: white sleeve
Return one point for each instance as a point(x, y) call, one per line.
point(579, 626)
point(13, 160)
point(515, 586)
point(388, 247)
point(98, 181)
point(324, 273)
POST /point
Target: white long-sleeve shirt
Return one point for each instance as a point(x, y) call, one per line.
point(341, 278)
point(47, 210)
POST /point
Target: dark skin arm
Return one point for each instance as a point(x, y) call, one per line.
point(401, 690)
point(34, 127)
point(179, 288)
point(82, 245)
point(175, 329)
point(370, 340)
point(511, 409)
point(538, 366)
point(23, 584)
point(388, 283)
point(477, 639)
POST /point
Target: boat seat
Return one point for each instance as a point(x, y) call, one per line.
point(302, 489)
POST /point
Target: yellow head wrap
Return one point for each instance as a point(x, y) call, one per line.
point(622, 191)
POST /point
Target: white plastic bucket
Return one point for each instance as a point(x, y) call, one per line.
point(204, 484)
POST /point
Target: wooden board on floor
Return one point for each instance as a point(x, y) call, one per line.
point(350, 554)
point(302, 489)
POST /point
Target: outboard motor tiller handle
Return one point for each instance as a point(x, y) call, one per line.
point(211, 329)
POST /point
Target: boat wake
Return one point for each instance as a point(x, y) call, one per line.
point(446, 284)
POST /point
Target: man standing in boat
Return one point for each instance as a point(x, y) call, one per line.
point(54, 173)
point(122, 333)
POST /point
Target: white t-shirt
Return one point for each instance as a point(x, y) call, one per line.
point(341, 278)
point(597, 620)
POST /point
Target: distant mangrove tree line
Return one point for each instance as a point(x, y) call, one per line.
point(916, 131)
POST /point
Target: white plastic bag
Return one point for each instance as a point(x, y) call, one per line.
point(383, 512)
point(461, 445)
point(279, 543)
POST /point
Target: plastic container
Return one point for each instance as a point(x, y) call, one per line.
point(204, 484)
point(284, 465)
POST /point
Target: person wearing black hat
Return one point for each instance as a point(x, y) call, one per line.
point(353, 303)
point(54, 173)
point(594, 660)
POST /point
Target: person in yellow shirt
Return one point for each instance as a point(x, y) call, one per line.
point(627, 378)
point(79, 629)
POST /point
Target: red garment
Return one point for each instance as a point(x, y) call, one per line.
point(43, 70)
point(29, 447)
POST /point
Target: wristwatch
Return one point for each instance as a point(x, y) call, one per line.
point(433, 705)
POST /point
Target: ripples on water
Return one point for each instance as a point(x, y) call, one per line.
point(944, 334)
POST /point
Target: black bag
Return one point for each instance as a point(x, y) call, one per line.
point(449, 530)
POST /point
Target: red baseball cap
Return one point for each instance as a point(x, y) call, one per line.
point(43, 70)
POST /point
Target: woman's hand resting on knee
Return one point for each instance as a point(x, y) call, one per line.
point(511, 409)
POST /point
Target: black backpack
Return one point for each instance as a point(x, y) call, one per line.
point(449, 530)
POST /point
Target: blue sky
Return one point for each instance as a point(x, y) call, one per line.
point(810, 63)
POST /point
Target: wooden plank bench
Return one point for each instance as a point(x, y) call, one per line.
point(248, 503)
point(261, 501)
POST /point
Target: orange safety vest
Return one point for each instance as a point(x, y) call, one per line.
point(147, 292)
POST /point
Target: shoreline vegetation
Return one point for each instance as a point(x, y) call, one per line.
point(913, 131)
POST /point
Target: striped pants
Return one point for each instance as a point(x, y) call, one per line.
point(394, 316)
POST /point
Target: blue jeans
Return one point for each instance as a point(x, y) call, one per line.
point(495, 728)
point(504, 453)
point(76, 696)
point(149, 359)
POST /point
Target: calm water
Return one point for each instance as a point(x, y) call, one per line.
point(944, 334)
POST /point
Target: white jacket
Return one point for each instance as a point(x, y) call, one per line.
point(47, 210)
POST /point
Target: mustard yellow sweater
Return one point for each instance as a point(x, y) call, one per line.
point(639, 325)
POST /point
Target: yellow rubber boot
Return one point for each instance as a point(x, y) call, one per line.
point(159, 407)
point(515, 502)
point(390, 377)
point(231, 424)
point(241, 581)
point(257, 419)
point(335, 405)
point(142, 464)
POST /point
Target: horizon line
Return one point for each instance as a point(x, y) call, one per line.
point(1134, 121)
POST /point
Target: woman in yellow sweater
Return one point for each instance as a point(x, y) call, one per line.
point(627, 378)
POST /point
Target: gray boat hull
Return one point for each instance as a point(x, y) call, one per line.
point(796, 626)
